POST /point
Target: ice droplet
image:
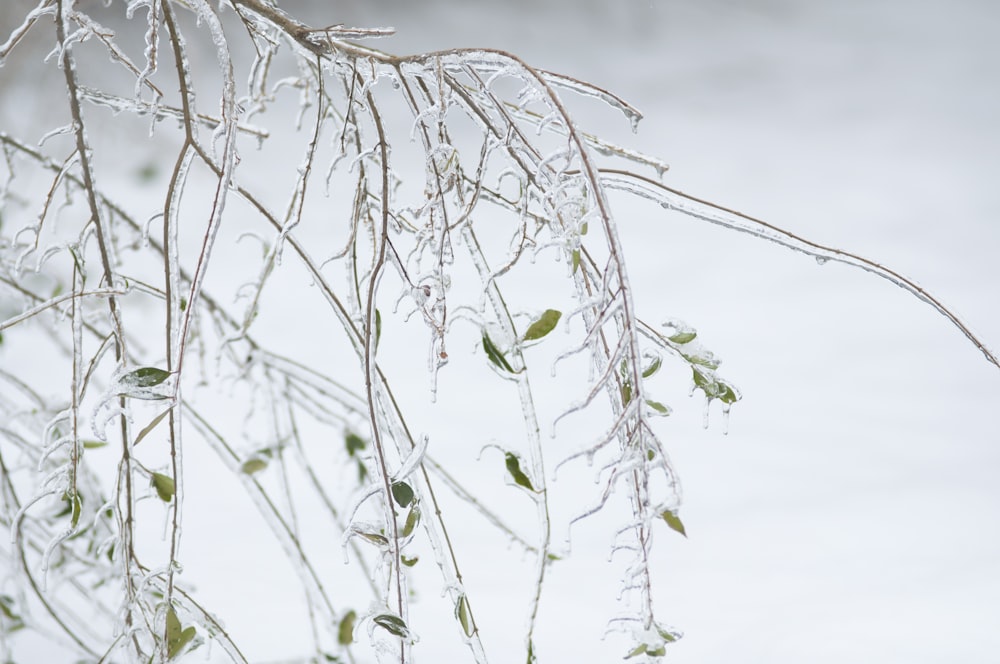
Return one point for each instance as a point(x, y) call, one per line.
point(821, 260)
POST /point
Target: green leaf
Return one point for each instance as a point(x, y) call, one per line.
point(545, 324)
point(392, 624)
point(653, 367)
point(514, 468)
point(253, 465)
point(728, 393)
point(494, 354)
point(626, 393)
point(149, 427)
point(164, 485)
point(378, 328)
point(464, 615)
point(375, 538)
point(146, 377)
point(576, 260)
point(77, 507)
point(412, 519)
point(354, 443)
point(674, 521)
point(658, 407)
point(638, 651)
point(402, 493)
point(177, 638)
point(345, 631)
point(409, 562)
point(93, 444)
point(683, 337)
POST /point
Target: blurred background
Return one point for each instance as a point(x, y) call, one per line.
point(851, 511)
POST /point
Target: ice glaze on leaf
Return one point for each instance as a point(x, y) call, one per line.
point(494, 354)
point(402, 493)
point(514, 468)
point(345, 631)
point(146, 377)
point(177, 637)
point(545, 324)
point(164, 485)
point(674, 522)
point(253, 465)
point(464, 615)
point(392, 624)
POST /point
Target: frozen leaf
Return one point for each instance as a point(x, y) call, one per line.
point(640, 649)
point(402, 493)
point(354, 443)
point(683, 337)
point(374, 538)
point(464, 615)
point(378, 328)
point(412, 519)
point(345, 631)
point(164, 485)
point(409, 562)
point(149, 427)
point(392, 624)
point(145, 377)
point(658, 407)
point(626, 393)
point(674, 521)
point(177, 637)
point(494, 354)
point(75, 507)
point(93, 444)
point(653, 367)
point(253, 465)
point(514, 468)
point(576, 260)
point(545, 324)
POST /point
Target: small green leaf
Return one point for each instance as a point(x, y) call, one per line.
point(402, 493)
point(640, 649)
point(545, 324)
point(77, 507)
point(184, 303)
point(345, 631)
point(653, 367)
point(149, 427)
point(354, 443)
point(177, 637)
point(93, 444)
point(409, 562)
point(494, 354)
point(626, 393)
point(464, 615)
point(146, 377)
point(253, 465)
point(683, 337)
point(392, 624)
point(514, 468)
point(378, 328)
point(699, 379)
point(728, 393)
point(576, 260)
point(412, 519)
point(374, 538)
point(658, 407)
point(164, 485)
point(674, 521)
